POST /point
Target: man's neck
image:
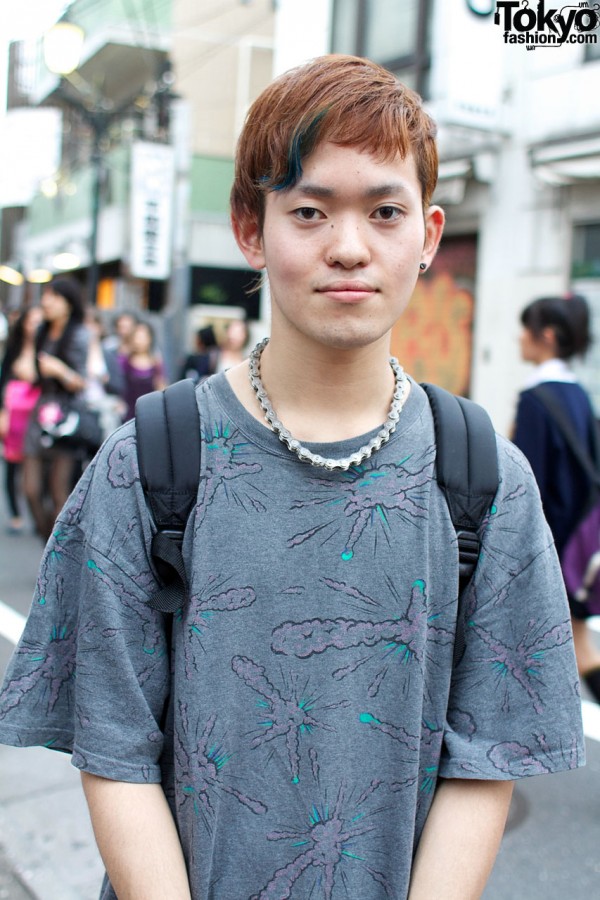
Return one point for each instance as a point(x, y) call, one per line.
point(319, 394)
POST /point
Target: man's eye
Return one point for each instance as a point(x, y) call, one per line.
point(307, 213)
point(388, 213)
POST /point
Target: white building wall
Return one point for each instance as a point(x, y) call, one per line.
point(212, 243)
point(39, 250)
point(302, 31)
point(468, 69)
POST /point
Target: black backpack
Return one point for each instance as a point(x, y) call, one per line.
point(168, 449)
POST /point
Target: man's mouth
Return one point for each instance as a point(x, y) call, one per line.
point(347, 291)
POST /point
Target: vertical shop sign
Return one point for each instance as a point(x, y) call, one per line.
point(152, 180)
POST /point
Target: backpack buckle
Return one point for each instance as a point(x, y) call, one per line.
point(469, 547)
point(173, 534)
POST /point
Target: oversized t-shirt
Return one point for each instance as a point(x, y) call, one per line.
point(313, 701)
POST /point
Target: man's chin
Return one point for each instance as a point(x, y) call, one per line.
point(353, 339)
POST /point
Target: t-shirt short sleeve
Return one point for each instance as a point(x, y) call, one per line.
point(514, 701)
point(91, 672)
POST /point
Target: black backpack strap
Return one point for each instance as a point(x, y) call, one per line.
point(554, 407)
point(467, 469)
point(168, 450)
point(467, 472)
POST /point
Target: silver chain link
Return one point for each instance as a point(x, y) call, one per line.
point(285, 436)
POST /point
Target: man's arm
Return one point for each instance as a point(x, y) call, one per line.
point(137, 839)
point(460, 839)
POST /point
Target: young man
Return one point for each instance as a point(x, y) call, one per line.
point(314, 738)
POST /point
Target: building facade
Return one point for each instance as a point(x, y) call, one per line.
point(157, 98)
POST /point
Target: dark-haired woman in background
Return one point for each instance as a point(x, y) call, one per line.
point(555, 330)
point(18, 396)
point(61, 358)
point(143, 370)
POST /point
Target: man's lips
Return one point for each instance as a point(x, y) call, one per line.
point(347, 291)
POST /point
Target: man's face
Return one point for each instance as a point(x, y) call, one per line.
point(342, 247)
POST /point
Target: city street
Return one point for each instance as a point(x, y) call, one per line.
point(550, 850)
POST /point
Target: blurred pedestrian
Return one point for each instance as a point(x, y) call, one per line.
point(19, 393)
point(116, 347)
point(51, 448)
point(554, 331)
point(4, 327)
point(143, 370)
point(233, 346)
point(109, 406)
point(203, 362)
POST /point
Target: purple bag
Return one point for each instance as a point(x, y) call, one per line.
point(580, 561)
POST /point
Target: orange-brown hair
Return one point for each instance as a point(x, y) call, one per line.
point(342, 99)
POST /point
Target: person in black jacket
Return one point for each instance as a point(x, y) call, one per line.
point(61, 359)
point(555, 330)
point(203, 362)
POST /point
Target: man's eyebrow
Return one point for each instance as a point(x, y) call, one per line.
point(378, 190)
point(313, 190)
point(383, 190)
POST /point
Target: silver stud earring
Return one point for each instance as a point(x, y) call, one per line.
point(422, 266)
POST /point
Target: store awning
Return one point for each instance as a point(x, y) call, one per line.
point(567, 161)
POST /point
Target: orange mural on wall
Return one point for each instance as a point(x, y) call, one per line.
point(433, 339)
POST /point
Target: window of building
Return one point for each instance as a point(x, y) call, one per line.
point(218, 287)
point(392, 33)
point(586, 251)
point(21, 74)
point(585, 280)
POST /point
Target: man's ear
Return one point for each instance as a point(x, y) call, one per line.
point(249, 239)
point(434, 226)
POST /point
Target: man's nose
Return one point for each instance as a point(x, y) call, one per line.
point(348, 245)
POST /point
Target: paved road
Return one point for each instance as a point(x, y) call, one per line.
point(551, 849)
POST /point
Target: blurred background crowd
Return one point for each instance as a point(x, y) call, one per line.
point(69, 378)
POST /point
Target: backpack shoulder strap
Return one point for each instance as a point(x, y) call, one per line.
point(556, 410)
point(467, 472)
point(168, 452)
point(466, 468)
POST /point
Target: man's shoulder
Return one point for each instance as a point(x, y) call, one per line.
point(108, 501)
point(512, 462)
point(116, 461)
point(518, 498)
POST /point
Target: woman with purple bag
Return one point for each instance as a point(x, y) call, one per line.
point(556, 429)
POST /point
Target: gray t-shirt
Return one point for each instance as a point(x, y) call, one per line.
point(314, 702)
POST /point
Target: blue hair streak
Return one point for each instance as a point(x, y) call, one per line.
point(302, 144)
